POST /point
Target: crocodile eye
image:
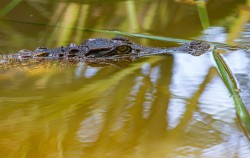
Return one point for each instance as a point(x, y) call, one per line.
point(124, 49)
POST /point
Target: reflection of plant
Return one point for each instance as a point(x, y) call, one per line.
point(128, 108)
point(57, 112)
point(74, 17)
point(122, 107)
point(11, 5)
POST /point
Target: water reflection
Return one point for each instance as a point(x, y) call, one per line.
point(90, 128)
point(132, 110)
point(155, 107)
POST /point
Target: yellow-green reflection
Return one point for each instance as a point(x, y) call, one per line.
point(152, 108)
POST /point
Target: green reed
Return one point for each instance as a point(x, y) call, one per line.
point(203, 15)
point(232, 86)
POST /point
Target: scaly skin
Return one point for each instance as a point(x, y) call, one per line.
point(104, 51)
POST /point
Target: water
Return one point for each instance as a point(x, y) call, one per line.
point(155, 107)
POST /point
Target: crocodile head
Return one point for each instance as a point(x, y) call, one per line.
point(101, 47)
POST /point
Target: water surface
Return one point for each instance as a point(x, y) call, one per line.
point(161, 106)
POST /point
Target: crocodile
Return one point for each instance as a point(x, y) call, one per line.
point(103, 51)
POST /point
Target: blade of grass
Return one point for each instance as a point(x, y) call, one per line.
point(159, 38)
point(232, 87)
point(202, 10)
point(9, 7)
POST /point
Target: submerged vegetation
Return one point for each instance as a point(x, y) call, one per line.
point(156, 104)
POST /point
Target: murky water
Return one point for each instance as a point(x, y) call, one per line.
point(155, 107)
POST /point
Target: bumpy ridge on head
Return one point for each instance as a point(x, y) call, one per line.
point(196, 47)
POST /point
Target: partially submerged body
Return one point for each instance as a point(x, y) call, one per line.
point(102, 51)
